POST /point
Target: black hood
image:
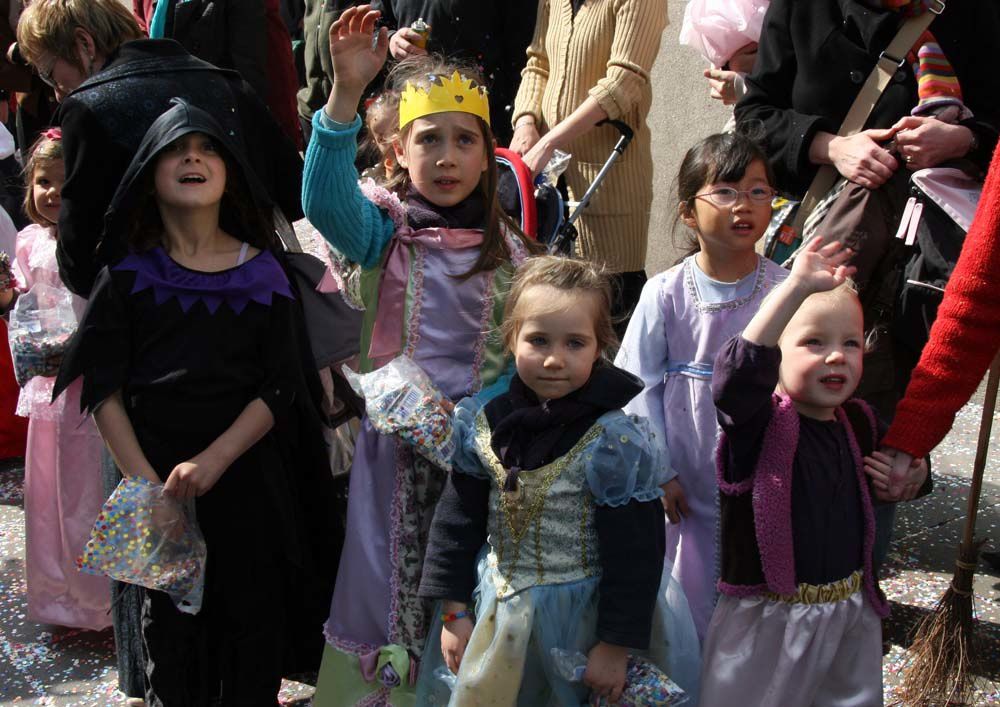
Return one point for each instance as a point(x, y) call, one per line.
point(177, 121)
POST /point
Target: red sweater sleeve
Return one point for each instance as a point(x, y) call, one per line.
point(964, 338)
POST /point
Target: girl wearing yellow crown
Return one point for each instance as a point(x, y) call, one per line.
point(438, 257)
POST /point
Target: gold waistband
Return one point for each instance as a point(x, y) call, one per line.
point(822, 593)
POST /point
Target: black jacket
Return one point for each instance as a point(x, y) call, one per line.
point(105, 119)
point(492, 35)
point(231, 34)
point(814, 56)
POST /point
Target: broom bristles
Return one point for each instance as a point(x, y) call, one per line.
point(943, 657)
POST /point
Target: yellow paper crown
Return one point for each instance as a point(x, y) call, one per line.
point(458, 93)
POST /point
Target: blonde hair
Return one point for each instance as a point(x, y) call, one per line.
point(48, 27)
point(45, 151)
point(568, 275)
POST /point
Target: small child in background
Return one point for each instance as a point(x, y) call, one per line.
point(726, 33)
point(376, 158)
point(799, 619)
point(683, 318)
point(564, 487)
point(63, 493)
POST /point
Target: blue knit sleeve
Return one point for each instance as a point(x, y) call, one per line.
point(332, 200)
point(623, 463)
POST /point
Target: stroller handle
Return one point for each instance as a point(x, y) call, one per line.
point(626, 133)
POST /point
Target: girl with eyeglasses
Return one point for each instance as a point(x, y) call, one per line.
point(683, 318)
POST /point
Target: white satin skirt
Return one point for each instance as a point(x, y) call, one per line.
point(760, 652)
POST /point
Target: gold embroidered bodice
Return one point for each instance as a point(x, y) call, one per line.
point(544, 533)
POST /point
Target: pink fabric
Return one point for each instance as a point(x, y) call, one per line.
point(387, 332)
point(741, 590)
point(62, 497)
point(772, 497)
point(717, 28)
point(62, 481)
point(730, 489)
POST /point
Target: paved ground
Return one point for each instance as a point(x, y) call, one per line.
point(41, 665)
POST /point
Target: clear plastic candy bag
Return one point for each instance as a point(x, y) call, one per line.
point(147, 538)
point(556, 166)
point(41, 325)
point(400, 399)
point(645, 684)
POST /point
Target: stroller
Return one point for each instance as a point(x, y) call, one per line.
point(539, 207)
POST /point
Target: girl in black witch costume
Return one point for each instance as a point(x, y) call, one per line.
point(191, 355)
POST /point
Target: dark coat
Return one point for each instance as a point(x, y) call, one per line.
point(105, 119)
point(814, 56)
point(492, 35)
point(230, 34)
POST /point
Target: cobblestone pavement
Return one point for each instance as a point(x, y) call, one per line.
point(45, 665)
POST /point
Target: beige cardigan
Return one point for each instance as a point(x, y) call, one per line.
point(607, 52)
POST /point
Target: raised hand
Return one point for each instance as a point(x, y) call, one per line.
point(358, 55)
point(820, 267)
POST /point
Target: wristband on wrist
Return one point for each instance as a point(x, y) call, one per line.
point(448, 618)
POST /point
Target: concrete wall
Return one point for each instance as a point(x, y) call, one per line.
point(682, 114)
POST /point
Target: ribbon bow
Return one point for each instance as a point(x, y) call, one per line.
point(53, 134)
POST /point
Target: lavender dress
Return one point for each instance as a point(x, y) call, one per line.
point(450, 326)
point(682, 320)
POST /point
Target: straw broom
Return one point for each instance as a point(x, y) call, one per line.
point(944, 653)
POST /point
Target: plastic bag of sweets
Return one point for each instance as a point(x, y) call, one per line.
point(400, 399)
point(145, 537)
point(41, 325)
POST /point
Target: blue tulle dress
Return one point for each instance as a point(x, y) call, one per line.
point(539, 575)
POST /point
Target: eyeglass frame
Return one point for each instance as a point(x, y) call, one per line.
point(739, 193)
point(46, 75)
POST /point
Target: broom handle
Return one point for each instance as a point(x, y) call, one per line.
point(982, 449)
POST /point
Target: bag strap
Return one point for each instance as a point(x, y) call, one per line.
point(872, 90)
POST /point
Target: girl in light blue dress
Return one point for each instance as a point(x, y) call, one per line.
point(562, 485)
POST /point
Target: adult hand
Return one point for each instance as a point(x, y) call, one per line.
point(455, 637)
point(860, 159)
point(525, 137)
point(404, 43)
point(539, 155)
point(722, 85)
point(605, 674)
point(927, 142)
point(356, 60)
point(193, 478)
point(674, 501)
point(906, 475)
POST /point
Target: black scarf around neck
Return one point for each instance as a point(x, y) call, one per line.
point(468, 213)
point(528, 433)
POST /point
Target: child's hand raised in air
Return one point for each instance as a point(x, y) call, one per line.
point(819, 267)
point(455, 636)
point(358, 54)
point(606, 667)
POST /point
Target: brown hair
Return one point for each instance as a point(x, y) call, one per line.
point(420, 71)
point(49, 27)
point(45, 150)
point(567, 275)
